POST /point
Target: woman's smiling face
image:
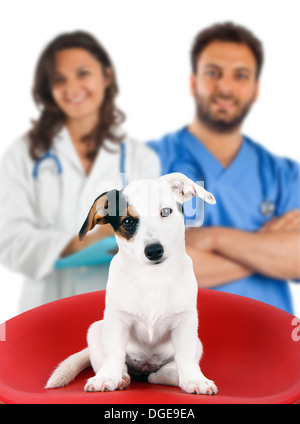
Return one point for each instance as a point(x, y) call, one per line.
point(79, 83)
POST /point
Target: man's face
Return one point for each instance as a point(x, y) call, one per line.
point(225, 85)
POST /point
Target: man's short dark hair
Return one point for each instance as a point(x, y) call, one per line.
point(228, 32)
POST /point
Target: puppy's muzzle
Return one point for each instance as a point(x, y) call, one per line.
point(154, 252)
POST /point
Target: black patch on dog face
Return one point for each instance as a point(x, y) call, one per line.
point(128, 224)
point(116, 207)
point(121, 216)
point(128, 227)
point(112, 208)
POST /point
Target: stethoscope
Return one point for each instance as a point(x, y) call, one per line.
point(186, 164)
point(53, 157)
point(58, 170)
point(267, 207)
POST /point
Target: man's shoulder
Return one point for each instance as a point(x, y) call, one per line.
point(18, 150)
point(168, 142)
point(276, 162)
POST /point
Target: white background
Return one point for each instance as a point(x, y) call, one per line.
point(149, 42)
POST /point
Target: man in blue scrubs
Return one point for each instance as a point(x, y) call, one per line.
point(249, 243)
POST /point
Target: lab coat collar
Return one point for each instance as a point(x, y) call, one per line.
point(63, 145)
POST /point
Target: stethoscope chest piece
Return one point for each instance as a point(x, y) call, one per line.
point(267, 208)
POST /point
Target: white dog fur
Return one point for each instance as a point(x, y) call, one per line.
point(150, 324)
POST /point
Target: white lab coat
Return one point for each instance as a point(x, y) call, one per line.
point(37, 222)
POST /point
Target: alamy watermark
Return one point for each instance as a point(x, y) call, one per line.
point(3, 332)
point(193, 208)
point(296, 330)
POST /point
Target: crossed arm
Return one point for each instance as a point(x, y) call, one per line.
point(221, 255)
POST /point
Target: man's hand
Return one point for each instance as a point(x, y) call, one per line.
point(290, 221)
point(205, 238)
point(274, 250)
point(201, 238)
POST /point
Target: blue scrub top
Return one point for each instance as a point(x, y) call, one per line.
point(239, 191)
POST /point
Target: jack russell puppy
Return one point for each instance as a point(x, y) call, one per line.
point(150, 324)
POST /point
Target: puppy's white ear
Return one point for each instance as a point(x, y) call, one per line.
point(184, 188)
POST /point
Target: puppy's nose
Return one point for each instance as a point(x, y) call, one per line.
point(154, 251)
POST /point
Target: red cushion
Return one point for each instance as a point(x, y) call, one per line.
point(248, 351)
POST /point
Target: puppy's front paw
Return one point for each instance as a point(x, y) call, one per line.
point(97, 384)
point(201, 387)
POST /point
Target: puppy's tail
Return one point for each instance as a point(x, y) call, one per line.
point(69, 369)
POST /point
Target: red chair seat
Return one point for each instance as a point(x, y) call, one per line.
point(248, 351)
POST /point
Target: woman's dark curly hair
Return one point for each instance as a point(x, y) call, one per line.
point(52, 118)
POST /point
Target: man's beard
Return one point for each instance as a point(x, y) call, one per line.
point(221, 125)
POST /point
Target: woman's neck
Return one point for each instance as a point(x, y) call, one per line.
point(77, 129)
point(80, 127)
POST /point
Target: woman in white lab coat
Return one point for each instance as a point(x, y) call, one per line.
point(75, 87)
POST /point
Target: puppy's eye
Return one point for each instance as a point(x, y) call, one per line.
point(166, 212)
point(128, 223)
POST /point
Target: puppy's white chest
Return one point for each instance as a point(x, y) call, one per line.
point(149, 346)
point(150, 331)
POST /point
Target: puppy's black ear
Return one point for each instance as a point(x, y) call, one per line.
point(103, 207)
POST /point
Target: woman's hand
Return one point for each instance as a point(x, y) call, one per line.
point(98, 233)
